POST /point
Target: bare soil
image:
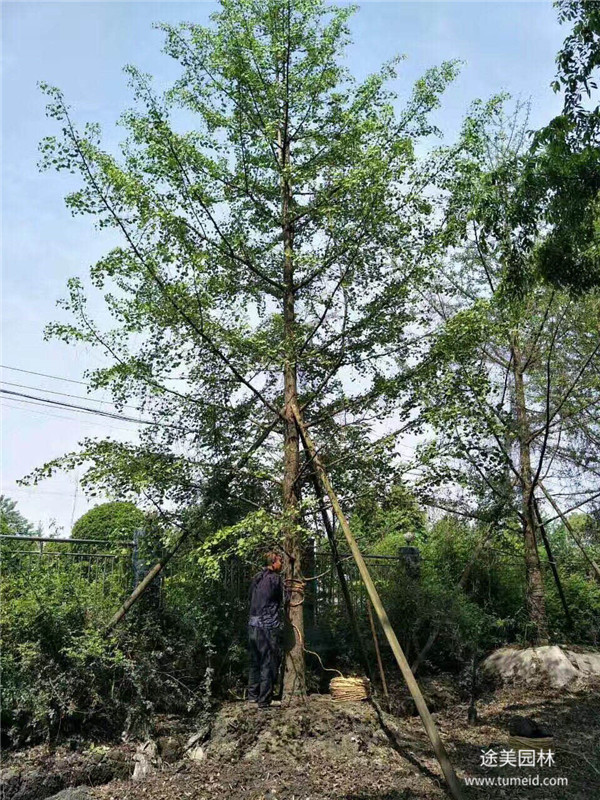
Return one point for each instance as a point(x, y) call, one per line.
point(322, 750)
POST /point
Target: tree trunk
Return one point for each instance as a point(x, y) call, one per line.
point(536, 603)
point(294, 683)
point(553, 567)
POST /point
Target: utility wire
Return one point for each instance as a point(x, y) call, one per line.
point(63, 394)
point(43, 375)
point(36, 400)
point(99, 424)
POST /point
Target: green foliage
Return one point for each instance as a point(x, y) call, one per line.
point(115, 521)
point(62, 675)
point(12, 522)
point(383, 522)
point(266, 155)
point(275, 215)
point(566, 168)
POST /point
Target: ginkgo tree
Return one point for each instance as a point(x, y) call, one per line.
point(272, 218)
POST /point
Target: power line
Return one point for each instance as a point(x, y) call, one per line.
point(33, 490)
point(42, 375)
point(59, 378)
point(63, 394)
point(36, 400)
point(26, 408)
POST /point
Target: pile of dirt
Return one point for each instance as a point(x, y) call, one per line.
point(313, 749)
point(322, 750)
point(550, 665)
point(242, 732)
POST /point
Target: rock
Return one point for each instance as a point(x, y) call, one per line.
point(79, 793)
point(146, 760)
point(525, 726)
point(10, 781)
point(196, 753)
point(77, 769)
point(587, 663)
point(199, 736)
point(170, 748)
point(194, 749)
point(36, 785)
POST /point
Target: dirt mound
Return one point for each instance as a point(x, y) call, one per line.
point(550, 666)
point(322, 750)
point(313, 750)
point(242, 732)
point(36, 774)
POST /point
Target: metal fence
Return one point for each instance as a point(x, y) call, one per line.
point(323, 590)
point(88, 558)
point(98, 560)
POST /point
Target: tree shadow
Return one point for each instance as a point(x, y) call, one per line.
point(424, 770)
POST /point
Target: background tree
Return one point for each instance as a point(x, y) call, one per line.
point(566, 167)
point(12, 522)
point(116, 521)
point(510, 381)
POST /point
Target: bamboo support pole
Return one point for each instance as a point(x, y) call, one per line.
point(378, 652)
point(341, 576)
point(412, 684)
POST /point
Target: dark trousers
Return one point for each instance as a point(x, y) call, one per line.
point(263, 649)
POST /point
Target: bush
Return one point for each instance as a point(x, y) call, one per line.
point(117, 521)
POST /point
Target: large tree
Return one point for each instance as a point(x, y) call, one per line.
point(509, 384)
point(567, 163)
point(272, 215)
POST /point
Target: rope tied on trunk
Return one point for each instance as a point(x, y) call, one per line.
point(295, 585)
point(298, 585)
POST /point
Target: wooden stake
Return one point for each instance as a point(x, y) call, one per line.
point(412, 684)
point(378, 653)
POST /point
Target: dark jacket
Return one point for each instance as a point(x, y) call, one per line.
point(266, 594)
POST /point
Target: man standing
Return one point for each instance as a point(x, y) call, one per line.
point(266, 595)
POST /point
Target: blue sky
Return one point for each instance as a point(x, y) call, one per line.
point(81, 47)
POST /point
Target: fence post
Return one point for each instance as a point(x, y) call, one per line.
point(135, 556)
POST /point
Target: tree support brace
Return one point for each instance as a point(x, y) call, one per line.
point(412, 684)
point(378, 654)
point(341, 576)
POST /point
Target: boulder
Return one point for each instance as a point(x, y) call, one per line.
point(170, 748)
point(146, 760)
